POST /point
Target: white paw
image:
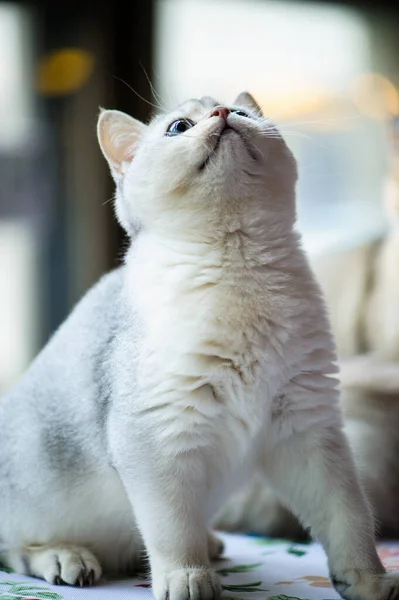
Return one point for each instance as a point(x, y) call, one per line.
point(357, 585)
point(215, 546)
point(390, 586)
point(70, 565)
point(187, 584)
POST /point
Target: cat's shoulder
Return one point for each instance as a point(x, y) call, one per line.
point(98, 311)
point(104, 295)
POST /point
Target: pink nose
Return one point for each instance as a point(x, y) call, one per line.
point(220, 111)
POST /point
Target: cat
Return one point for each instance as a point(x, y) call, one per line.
point(361, 286)
point(206, 356)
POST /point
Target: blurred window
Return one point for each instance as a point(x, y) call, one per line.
point(18, 153)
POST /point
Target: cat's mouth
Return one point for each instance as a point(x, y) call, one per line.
point(226, 131)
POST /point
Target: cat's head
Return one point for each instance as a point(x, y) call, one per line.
point(201, 168)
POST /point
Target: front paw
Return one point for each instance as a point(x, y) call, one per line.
point(360, 585)
point(187, 584)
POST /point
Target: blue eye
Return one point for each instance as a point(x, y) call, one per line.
point(179, 126)
point(240, 113)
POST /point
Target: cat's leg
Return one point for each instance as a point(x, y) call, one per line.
point(167, 482)
point(58, 564)
point(369, 386)
point(314, 473)
point(215, 546)
point(256, 508)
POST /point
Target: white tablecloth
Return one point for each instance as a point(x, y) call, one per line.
point(253, 569)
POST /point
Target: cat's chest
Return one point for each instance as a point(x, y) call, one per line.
point(198, 301)
point(213, 324)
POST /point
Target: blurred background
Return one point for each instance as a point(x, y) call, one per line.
point(326, 72)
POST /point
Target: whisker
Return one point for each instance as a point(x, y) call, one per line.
point(154, 93)
point(171, 99)
point(272, 135)
point(320, 175)
point(252, 143)
point(137, 94)
point(307, 168)
point(330, 120)
point(300, 134)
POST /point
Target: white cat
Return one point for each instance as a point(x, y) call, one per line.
point(208, 349)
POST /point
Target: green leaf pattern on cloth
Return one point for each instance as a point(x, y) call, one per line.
point(27, 591)
point(296, 551)
point(238, 569)
point(245, 587)
point(284, 597)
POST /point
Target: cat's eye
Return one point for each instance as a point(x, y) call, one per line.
point(179, 126)
point(240, 113)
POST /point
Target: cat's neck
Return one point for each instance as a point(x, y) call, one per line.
point(235, 248)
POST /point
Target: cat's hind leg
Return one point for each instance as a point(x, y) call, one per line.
point(215, 546)
point(58, 564)
point(255, 508)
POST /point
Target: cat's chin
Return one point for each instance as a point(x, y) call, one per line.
point(228, 136)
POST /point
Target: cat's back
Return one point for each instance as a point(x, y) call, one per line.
point(54, 457)
point(70, 374)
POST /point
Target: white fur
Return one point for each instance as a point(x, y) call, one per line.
point(361, 286)
point(223, 364)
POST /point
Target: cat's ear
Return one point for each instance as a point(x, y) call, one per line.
point(119, 137)
point(245, 99)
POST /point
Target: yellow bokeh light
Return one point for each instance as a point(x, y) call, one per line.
point(316, 108)
point(64, 71)
point(299, 103)
point(375, 96)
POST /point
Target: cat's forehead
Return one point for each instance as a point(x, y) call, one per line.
point(198, 106)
